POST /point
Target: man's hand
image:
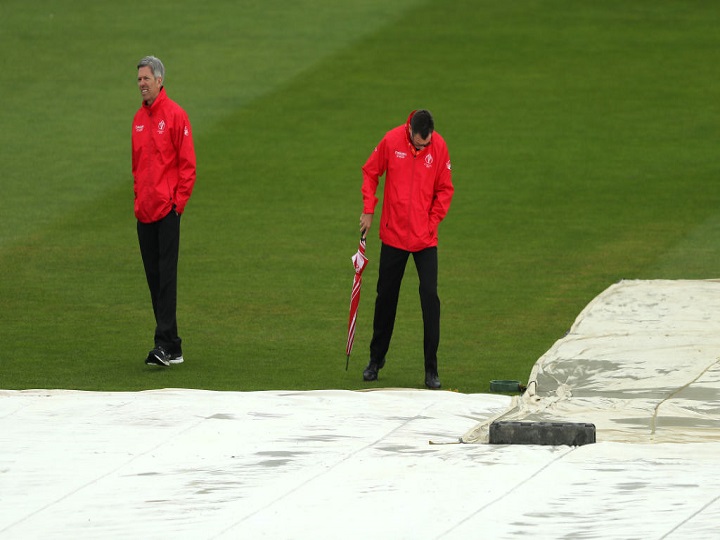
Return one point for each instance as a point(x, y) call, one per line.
point(365, 223)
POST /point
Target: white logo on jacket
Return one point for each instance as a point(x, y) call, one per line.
point(428, 161)
point(400, 155)
point(449, 167)
point(161, 127)
point(139, 128)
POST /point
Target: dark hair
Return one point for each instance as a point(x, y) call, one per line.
point(422, 123)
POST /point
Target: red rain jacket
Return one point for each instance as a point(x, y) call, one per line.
point(418, 188)
point(163, 159)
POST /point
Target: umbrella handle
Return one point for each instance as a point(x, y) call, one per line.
point(362, 236)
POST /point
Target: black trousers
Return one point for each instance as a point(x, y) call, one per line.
point(390, 274)
point(159, 247)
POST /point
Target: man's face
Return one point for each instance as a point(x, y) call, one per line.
point(418, 141)
point(149, 86)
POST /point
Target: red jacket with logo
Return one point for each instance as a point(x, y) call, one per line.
point(418, 188)
point(163, 159)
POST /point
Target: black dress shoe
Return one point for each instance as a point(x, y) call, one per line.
point(371, 371)
point(432, 381)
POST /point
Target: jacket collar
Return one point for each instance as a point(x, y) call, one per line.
point(158, 100)
point(407, 128)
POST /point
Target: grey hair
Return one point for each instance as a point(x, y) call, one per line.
point(155, 65)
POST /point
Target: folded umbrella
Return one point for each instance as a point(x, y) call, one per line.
point(359, 262)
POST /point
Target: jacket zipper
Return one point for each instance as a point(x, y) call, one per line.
point(412, 190)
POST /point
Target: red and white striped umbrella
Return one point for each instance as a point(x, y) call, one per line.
point(359, 262)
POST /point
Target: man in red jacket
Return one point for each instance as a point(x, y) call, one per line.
point(417, 195)
point(163, 167)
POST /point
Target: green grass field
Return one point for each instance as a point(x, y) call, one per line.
point(584, 139)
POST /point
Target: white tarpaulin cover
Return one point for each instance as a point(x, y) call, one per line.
point(640, 362)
